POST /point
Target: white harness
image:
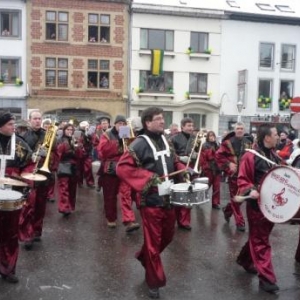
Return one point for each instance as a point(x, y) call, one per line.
point(164, 187)
point(5, 157)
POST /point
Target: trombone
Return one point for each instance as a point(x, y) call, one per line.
point(198, 141)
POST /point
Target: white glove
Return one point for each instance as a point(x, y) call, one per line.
point(184, 159)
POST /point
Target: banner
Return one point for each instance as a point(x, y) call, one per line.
point(157, 57)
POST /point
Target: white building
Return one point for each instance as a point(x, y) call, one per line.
point(191, 80)
point(13, 89)
point(253, 61)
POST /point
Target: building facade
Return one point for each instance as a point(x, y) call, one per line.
point(78, 58)
point(13, 64)
point(190, 40)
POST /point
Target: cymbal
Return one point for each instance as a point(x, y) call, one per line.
point(34, 177)
point(10, 181)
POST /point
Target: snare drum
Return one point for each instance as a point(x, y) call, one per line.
point(186, 194)
point(201, 180)
point(10, 200)
point(280, 194)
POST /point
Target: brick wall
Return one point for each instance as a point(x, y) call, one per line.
point(77, 50)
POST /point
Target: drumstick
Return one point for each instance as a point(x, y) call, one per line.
point(261, 156)
point(240, 199)
point(173, 173)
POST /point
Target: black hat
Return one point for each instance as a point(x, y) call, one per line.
point(6, 117)
point(120, 118)
point(291, 136)
point(102, 117)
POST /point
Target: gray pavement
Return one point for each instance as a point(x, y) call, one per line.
point(79, 258)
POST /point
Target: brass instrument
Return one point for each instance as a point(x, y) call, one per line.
point(198, 141)
point(45, 146)
point(48, 144)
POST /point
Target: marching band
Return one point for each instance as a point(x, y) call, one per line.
point(164, 176)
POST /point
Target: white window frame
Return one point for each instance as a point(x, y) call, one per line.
point(10, 31)
point(272, 56)
point(5, 74)
point(293, 59)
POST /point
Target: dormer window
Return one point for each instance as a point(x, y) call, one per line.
point(264, 6)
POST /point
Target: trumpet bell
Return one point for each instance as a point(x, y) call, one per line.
point(11, 181)
point(33, 177)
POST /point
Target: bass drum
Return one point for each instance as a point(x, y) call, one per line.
point(280, 194)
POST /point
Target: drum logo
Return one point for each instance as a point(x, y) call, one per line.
point(278, 199)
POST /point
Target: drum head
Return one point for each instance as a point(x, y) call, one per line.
point(9, 195)
point(184, 187)
point(280, 194)
point(201, 180)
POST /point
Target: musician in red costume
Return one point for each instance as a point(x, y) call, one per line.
point(110, 150)
point(183, 144)
point(33, 213)
point(9, 220)
point(100, 129)
point(210, 168)
point(85, 171)
point(142, 167)
point(69, 154)
point(228, 158)
point(255, 256)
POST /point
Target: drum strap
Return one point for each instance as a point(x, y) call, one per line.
point(161, 153)
point(4, 157)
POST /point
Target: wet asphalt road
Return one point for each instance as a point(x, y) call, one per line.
point(79, 258)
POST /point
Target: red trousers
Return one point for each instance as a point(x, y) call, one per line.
point(110, 192)
point(9, 245)
point(297, 255)
point(86, 171)
point(126, 197)
point(257, 250)
point(67, 188)
point(159, 228)
point(215, 182)
point(33, 213)
point(183, 215)
point(233, 207)
point(51, 188)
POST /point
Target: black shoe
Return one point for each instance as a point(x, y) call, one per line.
point(216, 206)
point(52, 200)
point(185, 227)
point(226, 217)
point(154, 293)
point(11, 278)
point(98, 189)
point(132, 227)
point(268, 286)
point(37, 238)
point(240, 228)
point(28, 245)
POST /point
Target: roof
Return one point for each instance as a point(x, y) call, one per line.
point(281, 8)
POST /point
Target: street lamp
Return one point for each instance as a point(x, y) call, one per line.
point(239, 106)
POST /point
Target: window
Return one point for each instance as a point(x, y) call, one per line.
point(199, 120)
point(151, 83)
point(99, 28)
point(10, 23)
point(57, 26)
point(56, 72)
point(199, 42)
point(263, 6)
point(98, 74)
point(198, 83)
point(266, 55)
point(284, 8)
point(265, 93)
point(233, 4)
point(286, 94)
point(157, 39)
point(288, 57)
point(10, 70)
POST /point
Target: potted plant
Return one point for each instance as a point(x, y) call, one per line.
point(19, 82)
point(284, 103)
point(264, 102)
